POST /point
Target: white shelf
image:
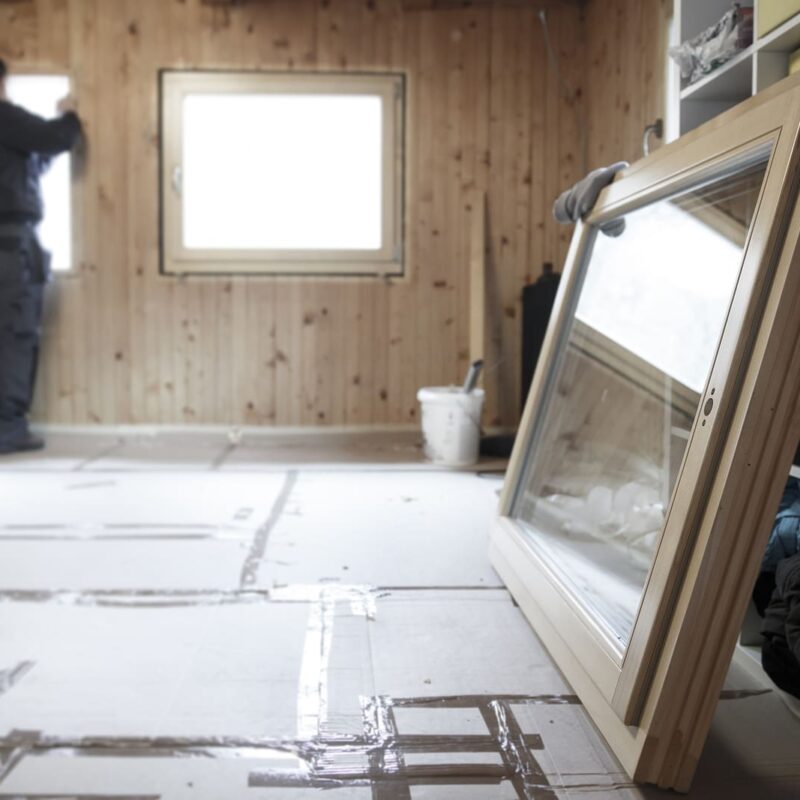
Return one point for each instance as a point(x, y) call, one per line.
point(762, 64)
point(732, 81)
point(783, 39)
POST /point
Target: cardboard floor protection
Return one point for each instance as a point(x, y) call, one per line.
point(395, 529)
point(181, 630)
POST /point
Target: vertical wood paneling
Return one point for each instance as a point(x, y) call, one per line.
point(627, 41)
point(484, 112)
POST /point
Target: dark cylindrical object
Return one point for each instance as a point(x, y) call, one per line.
point(537, 303)
point(471, 381)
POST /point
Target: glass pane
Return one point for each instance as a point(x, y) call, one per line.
point(625, 390)
point(282, 171)
point(40, 94)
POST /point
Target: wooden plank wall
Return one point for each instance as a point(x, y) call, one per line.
point(625, 75)
point(484, 113)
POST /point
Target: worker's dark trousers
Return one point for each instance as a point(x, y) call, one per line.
point(23, 272)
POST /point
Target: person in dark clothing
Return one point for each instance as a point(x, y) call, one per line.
point(780, 652)
point(27, 145)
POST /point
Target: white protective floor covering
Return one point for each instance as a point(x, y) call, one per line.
point(290, 616)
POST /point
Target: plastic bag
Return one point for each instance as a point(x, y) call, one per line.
point(715, 45)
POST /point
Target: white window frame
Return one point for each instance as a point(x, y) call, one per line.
point(178, 259)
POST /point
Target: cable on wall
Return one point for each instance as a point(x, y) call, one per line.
point(569, 94)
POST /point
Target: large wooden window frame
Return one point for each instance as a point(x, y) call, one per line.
point(384, 261)
point(654, 701)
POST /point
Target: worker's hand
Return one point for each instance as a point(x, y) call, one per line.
point(67, 104)
point(578, 201)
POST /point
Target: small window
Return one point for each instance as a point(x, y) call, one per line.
point(277, 173)
point(40, 94)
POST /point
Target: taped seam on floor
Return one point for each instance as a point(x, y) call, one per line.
point(18, 744)
point(78, 536)
point(138, 598)
point(333, 761)
point(222, 456)
point(250, 568)
point(527, 776)
point(361, 598)
point(10, 677)
point(90, 529)
point(92, 485)
point(105, 452)
point(27, 796)
point(312, 693)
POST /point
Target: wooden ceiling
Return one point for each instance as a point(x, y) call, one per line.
point(427, 5)
point(424, 5)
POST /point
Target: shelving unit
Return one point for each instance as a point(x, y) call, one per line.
point(765, 62)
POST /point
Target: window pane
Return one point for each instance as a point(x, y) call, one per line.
point(626, 389)
point(40, 94)
point(282, 172)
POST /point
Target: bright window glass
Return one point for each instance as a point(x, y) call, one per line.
point(665, 304)
point(40, 94)
point(282, 172)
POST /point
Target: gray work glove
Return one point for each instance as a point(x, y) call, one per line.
point(578, 201)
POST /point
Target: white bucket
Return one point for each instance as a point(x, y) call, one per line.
point(451, 424)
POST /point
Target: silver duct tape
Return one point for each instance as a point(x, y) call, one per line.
point(213, 747)
point(10, 677)
point(385, 757)
point(17, 796)
point(386, 590)
point(122, 532)
point(16, 746)
point(279, 779)
point(376, 758)
point(526, 775)
point(178, 526)
point(520, 767)
point(121, 537)
point(476, 700)
point(393, 785)
point(258, 753)
point(312, 693)
point(137, 598)
point(104, 452)
point(222, 457)
point(252, 563)
point(382, 733)
point(91, 485)
point(362, 599)
point(118, 526)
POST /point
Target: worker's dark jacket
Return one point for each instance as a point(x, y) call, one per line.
point(780, 653)
point(27, 143)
